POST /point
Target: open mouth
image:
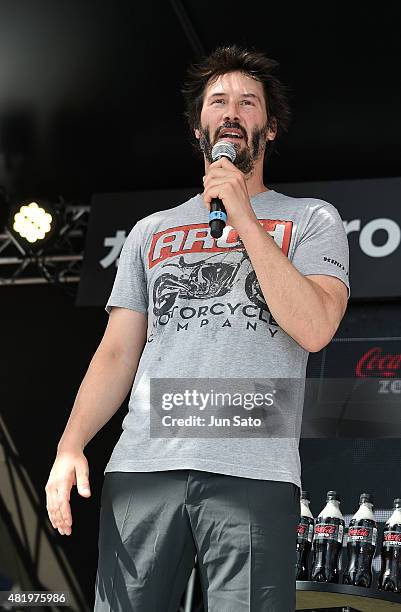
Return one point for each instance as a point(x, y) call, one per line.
point(231, 135)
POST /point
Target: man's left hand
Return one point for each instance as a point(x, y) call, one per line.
point(223, 180)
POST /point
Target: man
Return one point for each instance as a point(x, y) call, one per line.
point(248, 306)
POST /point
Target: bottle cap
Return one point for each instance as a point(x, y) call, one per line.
point(366, 498)
point(332, 495)
point(305, 495)
point(397, 503)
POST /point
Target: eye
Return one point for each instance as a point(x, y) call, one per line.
point(218, 101)
point(246, 102)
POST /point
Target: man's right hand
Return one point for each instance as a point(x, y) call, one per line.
point(69, 468)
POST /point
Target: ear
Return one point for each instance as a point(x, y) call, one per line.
point(197, 134)
point(272, 129)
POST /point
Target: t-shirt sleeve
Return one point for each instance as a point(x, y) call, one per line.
point(130, 288)
point(323, 246)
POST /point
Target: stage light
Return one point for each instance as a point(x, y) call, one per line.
point(32, 222)
point(35, 224)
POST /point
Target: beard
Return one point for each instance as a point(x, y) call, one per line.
point(246, 156)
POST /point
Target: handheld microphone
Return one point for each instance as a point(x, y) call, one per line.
point(218, 214)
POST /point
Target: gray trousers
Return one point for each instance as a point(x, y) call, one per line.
point(153, 524)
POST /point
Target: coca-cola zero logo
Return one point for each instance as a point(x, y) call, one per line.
point(358, 531)
point(325, 529)
point(392, 537)
point(377, 363)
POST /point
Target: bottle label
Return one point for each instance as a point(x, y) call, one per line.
point(392, 538)
point(329, 531)
point(367, 535)
point(305, 530)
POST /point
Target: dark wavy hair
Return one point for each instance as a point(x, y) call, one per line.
point(236, 59)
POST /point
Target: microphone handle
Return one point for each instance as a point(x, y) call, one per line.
point(217, 217)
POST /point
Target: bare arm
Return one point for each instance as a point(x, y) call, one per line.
point(102, 391)
point(309, 311)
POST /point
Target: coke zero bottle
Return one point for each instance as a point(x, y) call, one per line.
point(327, 541)
point(390, 573)
point(304, 538)
point(361, 544)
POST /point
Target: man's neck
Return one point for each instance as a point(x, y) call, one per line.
point(254, 184)
point(255, 189)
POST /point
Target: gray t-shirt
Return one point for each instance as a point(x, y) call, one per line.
point(208, 319)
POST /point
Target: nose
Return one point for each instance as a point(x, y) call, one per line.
point(231, 112)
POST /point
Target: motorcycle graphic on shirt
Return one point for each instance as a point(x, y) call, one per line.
point(208, 278)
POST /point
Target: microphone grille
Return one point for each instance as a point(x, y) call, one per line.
point(224, 149)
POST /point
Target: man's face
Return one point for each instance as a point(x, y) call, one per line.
point(234, 109)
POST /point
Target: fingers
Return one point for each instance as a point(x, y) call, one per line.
point(58, 506)
point(83, 485)
point(223, 174)
point(223, 162)
point(221, 177)
point(218, 187)
point(67, 470)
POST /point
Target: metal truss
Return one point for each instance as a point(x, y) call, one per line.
point(59, 262)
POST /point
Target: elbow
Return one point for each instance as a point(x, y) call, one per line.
point(317, 344)
point(315, 348)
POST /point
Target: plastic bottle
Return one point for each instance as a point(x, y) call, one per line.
point(327, 543)
point(390, 573)
point(304, 538)
point(361, 544)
